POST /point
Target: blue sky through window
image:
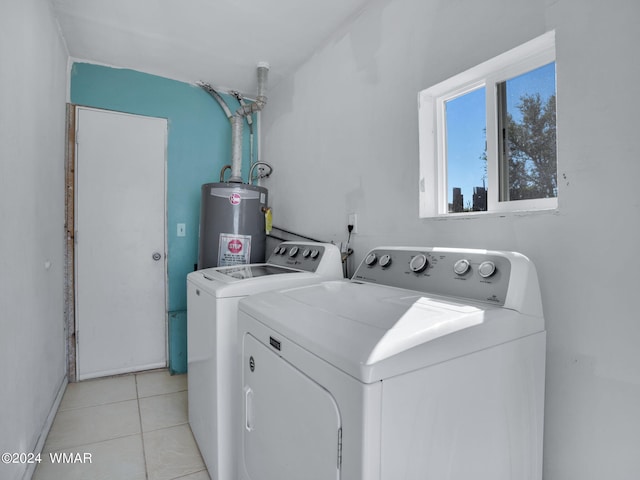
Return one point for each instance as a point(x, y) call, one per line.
point(466, 121)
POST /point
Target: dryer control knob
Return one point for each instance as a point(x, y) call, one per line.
point(385, 261)
point(461, 266)
point(371, 259)
point(418, 263)
point(486, 269)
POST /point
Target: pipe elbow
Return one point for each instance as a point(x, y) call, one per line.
point(246, 110)
point(260, 103)
point(224, 169)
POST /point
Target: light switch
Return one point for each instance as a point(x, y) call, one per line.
point(182, 230)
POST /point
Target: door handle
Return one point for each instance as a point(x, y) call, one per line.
point(156, 256)
point(248, 408)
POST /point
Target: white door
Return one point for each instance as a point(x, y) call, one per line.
point(120, 243)
point(291, 427)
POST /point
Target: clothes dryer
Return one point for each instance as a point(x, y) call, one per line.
point(429, 364)
point(213, 353)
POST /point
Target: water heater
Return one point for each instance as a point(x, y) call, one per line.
point(232, 224)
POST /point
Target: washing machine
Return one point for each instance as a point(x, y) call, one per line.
point(429, 364)
point(213, 353)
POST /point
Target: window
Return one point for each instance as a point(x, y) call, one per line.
point(488, 135)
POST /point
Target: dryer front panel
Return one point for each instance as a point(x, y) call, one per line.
point(291, 425)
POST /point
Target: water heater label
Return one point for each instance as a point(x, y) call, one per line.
point(235, 199)
point(234, 249)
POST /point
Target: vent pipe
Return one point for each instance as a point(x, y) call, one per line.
point(237, 121)
point(211, 91)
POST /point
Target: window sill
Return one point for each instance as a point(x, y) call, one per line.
point(479, 215)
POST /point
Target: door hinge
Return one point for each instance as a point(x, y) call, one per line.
point(339, 448)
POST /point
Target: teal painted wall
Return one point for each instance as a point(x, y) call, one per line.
point(178, 341)
point(199, 145)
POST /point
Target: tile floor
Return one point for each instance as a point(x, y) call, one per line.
point(135, 427)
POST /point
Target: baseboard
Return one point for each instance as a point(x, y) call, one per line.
point(45, 428)
point(122, 371)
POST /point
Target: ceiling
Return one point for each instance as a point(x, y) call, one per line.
point(215, 41)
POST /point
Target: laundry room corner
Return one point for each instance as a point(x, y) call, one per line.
point(198, 146)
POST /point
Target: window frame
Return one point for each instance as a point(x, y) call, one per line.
point(432, 132)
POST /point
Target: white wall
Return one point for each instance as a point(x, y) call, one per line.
point(32, 135)
point(342, 135)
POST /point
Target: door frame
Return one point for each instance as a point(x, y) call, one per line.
point(69, 249)
point(70, 321)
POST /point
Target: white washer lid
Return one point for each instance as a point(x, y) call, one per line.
point(214, 281)
point(374, 332)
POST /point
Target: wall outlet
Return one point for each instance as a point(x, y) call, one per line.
point(352, 219)
point(182, 230)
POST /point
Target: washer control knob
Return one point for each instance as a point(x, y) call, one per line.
point(314, 253)
point(486, 269)
point(418, 263)
point(385, 261)
point(371, 259)
point(283, 250)
point(306, 252)
point(276, 250)
point(294, 251)
point(461, 266)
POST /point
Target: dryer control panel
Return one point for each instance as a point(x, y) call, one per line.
point(479, 275)
point(307, 256)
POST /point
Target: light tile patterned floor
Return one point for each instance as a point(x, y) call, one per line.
point(135, 427)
